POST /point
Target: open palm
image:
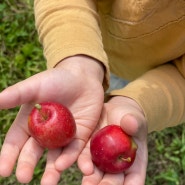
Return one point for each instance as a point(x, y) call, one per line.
point(126, 113)
point(72, 89)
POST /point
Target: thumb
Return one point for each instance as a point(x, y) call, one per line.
point(134, 125)
point(20, 93)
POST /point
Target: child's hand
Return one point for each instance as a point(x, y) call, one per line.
point(126, 113)
point(76, 83)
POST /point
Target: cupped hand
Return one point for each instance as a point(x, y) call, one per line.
point(125, 112)
point(76, 83)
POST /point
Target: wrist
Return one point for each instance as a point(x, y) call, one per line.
point(126, 101)
point(82, 64)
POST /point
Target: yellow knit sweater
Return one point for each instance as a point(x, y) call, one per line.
point(141, 41)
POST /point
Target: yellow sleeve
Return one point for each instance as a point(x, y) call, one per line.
point(161, 94)
point(67, 28)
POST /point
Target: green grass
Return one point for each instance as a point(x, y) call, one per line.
point(167, 157)
point(21, 56)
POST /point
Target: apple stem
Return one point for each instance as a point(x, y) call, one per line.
point(128, 159)
point(38, 106)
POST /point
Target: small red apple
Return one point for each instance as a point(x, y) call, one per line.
point(52, 125)
point(112, 150)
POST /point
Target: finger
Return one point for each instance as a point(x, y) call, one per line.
point(20, 93)
point(9, 154)
point(112, 179)
point(85, 163)
point(138, 177)
point(130, 124)
point(137, 172)
point(51, 175)
point(71, 152)
point(13, 143)
point(28, 158)
point(69, 155)
point(93, 179)
point(134, 126)
point(37, 88)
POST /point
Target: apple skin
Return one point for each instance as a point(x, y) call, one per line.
point(112, 150)
point(52, 125)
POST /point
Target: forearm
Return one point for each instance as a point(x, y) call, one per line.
point(161, 94)
point(70, 28)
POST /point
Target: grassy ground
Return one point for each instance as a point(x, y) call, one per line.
point(21, 56)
